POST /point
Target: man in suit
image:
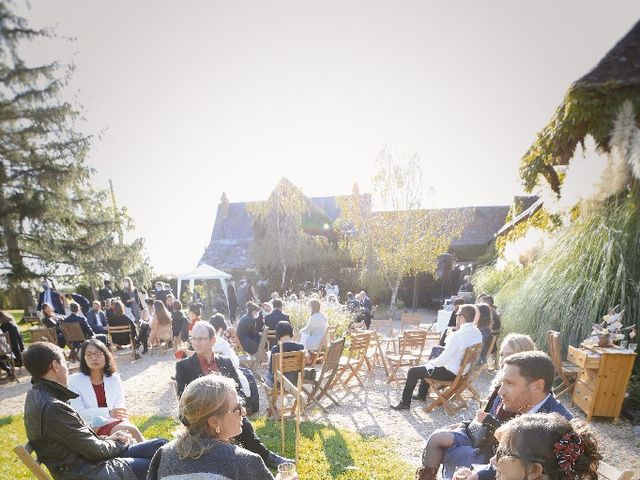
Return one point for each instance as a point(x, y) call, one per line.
point(50, 296)
point(275, 317)
point(88, 332)
point(527, 379)
point(84, 303)
point(97, 319)
point(105, 292)
point(204, 362)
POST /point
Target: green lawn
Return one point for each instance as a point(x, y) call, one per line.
point(325, 452)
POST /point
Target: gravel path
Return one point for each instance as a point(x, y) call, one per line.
point(150, 390)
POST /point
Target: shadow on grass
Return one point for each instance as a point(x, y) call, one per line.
point(335, 447)
point(7, 420)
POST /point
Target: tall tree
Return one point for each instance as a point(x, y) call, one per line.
point(401, 238)
point(280, 238)
point(51, 220)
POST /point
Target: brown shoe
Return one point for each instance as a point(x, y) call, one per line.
point(426, 473)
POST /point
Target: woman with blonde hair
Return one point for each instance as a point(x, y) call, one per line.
point(451, 446)
point(160, 324)
point(211, 413)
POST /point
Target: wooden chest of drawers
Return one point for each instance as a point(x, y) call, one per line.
point(602, 381)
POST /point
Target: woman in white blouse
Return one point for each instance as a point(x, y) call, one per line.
point(100, 400)
point(313, 334)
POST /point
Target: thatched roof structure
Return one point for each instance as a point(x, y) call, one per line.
point(589, 108)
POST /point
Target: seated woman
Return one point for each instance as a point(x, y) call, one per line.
point(451, 446)
point(119, 318)
point(178, 324)
point(160, 324)
point(50, 319)
point(212, 414)
point(284, 332)
point(542, 446)
point(101, 399)
point(8, 325)
point(313, 334)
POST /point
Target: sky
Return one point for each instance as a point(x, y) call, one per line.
point(195, 98)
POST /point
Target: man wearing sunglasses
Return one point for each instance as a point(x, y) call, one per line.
point(205, 362)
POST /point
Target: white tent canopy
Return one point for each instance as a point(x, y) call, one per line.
point(204, 272)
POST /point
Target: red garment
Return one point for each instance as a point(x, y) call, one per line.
point(107, 427)
point(101, 396)
point(208, 368)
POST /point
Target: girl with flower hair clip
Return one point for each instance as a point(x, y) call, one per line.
point(541, 446)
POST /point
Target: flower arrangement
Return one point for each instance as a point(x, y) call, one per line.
point(611, 328)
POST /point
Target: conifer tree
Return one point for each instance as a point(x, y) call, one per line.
point(52, 222)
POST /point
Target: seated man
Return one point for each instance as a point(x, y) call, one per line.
point(525, 388)
point(61, 439)
point(204, 362)
point(248, 333)
point(447, 365)
point(97, 319)
point(275, 317)
point(88, 332)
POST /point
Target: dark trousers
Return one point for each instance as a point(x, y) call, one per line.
point(249, 440)
point(416, 374)
point(139, 456)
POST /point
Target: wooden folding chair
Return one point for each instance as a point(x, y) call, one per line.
point(354, 361)
point(375, 354)
point(609, 472)
point(44, 335)
point(320, 387)
point(316, 357)
point(7, 353)
point(410, 321)
point(566, 372)
point(410, 350)
point(449, 393)
point(283, 363)
point(123, 329)
point(24, 453)
point(254, 362)
point(72, 332)
point(491, 355)
point(271, 339)
point(386, 334)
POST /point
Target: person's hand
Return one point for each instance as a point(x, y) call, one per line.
point(480, 416)
point(119, 413)
point(465, 474)
point(280, 477)
point(122, 437)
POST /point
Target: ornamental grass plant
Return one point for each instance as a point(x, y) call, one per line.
point(299, 313)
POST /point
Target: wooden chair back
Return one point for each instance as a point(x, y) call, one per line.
point(24, 453)
point(359, 345)
point(124, 329)
point(412, 342)
point(553, 344)
point(261, 353)
point(44, 335)
point(328, 372)
point(609, 472)
point(410, 320)
point(72, 332)
point(271, 338)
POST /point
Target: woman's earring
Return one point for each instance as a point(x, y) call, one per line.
point(218, 429)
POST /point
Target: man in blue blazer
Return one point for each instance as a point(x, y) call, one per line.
point(275, 317)
point(97, 318)
point(88, 332)
point(50, 296)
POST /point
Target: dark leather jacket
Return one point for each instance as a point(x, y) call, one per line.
point(64, 443)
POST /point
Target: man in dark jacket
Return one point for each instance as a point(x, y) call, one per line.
point(247, 331)
point(106, 292)
point(204, 362)
point(276, 316)
point(61, 439)
point(97, 319)
point(88, 332)
point(50, 296)
point(233, 301)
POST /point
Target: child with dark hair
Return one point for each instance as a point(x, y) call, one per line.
point(284, 332)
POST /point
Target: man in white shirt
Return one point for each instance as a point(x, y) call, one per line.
point(447, 365)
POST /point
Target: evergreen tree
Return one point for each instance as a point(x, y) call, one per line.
point(51, 221)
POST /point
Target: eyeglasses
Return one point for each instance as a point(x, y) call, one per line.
point(93, 354)
point(240, 409)
point(506, 454)
point(199, 339)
